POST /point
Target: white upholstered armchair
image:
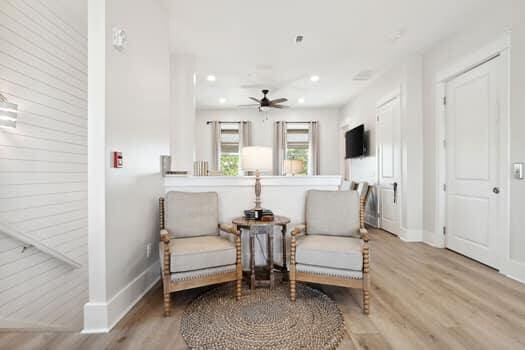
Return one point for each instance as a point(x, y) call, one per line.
point(332, 248)
point(192, 251)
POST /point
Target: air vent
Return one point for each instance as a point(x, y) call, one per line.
point(299, 39)
point(363, 75)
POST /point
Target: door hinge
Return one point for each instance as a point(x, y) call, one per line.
point(444, 187)
point(444, 143)
point(444, 100)
point(444, 230)
point(377, 118)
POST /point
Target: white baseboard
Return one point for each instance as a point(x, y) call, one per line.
point(433, 239)
point(514, 270)
point(408, 235)
point(102, 317)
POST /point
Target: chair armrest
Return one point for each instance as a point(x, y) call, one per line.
point(230, 229)
point(299, 229)
point(363, 232)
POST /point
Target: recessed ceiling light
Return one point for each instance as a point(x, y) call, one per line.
point(301, 100)
point(222, 100)
point(314, 78)
point(211, 77)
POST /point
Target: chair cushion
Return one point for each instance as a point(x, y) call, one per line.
point(195, 253)
point(191, 214)
point(332, 212)
point(330, 251)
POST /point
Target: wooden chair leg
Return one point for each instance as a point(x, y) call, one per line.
point(366, 301)
point(293, 291)
point(238, 261)
point(167, 303)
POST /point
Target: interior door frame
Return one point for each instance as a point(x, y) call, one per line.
point(499, 48)
point(391, 96)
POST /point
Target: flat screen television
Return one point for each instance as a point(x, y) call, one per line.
point(355, 142)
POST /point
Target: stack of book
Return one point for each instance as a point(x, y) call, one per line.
point(262, 215)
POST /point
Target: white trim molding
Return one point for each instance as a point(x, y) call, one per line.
point(408, 235)
point(101, 317)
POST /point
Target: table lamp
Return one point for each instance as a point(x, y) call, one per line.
point(255, 158)
point(293, 166)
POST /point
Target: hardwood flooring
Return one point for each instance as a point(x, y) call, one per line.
point(421, 298)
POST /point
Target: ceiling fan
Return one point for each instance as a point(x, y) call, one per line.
point(265, 103)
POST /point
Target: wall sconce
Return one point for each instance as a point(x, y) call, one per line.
point(8, 113)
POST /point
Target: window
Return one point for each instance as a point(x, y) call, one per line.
point(297, 144)
point(229, 160)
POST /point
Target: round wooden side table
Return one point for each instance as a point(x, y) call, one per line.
point(252, 225)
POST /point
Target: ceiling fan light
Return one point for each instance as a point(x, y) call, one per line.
point(301, 100)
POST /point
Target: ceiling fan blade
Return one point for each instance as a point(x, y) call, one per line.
point(254, 99)
point(248, 106)
point(279, 106)
point(278, 100)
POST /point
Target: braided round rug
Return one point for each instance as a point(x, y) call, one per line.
point(262, 319)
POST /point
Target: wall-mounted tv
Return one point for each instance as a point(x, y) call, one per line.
point(355, 142)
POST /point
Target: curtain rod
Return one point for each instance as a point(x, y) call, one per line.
point(225, 122)
point(296, 122)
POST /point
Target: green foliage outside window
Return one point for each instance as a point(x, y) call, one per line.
point(301, 154)
point(230, 164)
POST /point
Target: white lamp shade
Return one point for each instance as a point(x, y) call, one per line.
point(293, 166)
point(256, 158)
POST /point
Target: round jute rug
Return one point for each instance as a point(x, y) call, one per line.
point(262, 319)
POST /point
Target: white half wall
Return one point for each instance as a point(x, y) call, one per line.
point(262, 129)
point(132, 116)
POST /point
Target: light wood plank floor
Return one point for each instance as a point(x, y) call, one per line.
point(422, 298)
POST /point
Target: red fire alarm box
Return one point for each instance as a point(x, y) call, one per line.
point(118, 161)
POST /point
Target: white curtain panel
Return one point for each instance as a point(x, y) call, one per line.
point(216, 145)
point(279, 147)
point(314, 163)
point(245, 140)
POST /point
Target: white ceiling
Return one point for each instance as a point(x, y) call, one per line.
point(245, 42)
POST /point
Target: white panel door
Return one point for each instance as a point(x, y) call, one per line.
point(389, 158)
point(472, 163)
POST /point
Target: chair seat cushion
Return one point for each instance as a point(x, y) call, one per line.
point(330, 251)
point(196, 253)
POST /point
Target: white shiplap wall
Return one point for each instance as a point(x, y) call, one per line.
point(43, 162)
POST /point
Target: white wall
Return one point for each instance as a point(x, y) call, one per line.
point(481, 29)
point(262, 130)
point(362, 110)
point(43, 162)
point(517, 152)
point(134, 120)
point(491, 22)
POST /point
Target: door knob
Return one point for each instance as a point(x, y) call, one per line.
point(495, 190)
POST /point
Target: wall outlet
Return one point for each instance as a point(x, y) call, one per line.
point(148, 250)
